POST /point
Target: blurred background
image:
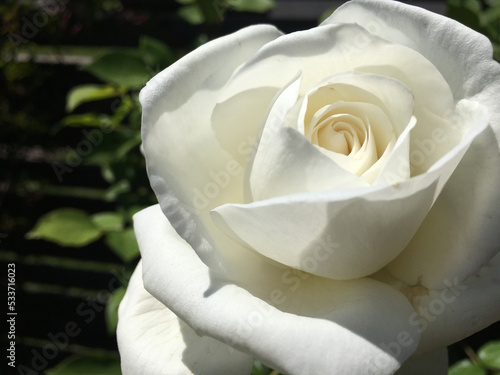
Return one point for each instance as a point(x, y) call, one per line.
point(71, 171)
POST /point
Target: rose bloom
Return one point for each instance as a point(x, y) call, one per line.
point(329, 200)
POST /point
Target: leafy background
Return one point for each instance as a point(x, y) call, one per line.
point(72, 174)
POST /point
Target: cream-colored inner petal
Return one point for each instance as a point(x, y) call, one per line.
point(335, 139)
point(341, 133)
point(354, 134)
point(381, 73)
point(286, 162)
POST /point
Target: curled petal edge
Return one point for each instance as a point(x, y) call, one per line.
point(173, 273)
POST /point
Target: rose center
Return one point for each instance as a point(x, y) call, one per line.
point(340, 133)
point(361, 122)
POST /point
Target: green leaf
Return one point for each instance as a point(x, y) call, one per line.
point(123, 244)
point(490, 19)
point(120, 68)
point(86, 93)
point(472, 5)
point(260, 369)
point(86, 365)
point(128, 145)
point(99, 158)
point(131, 211)
point(111, 311)
point(122, 186)
point(493, 3)
point(491, 15)
point(86, 119)
point(66, 227)
point(496, 49)
point(123, 109)
point(490, 354)
point(155, 53)
point(108, 221)
point(107, 173)
point(327, 13)
point(466, 367)
point(191, 14)
point(135, 117)
point(466, 12)
point(256, 6)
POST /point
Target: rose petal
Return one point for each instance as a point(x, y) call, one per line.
point(286, 162)
point(292, 229)
point(473, 118)
point(464, 223)
point(389, 94)
point(353, 48)
point(344, 340)
point(237, 120)
point(152, 340)
point(432, 363)
point(461, 309)
point(292, 165)
point(394, 165)
point(177, 137)
point(300, 240)
point(395, 99)
point(462, 55)
point(313, 218)
point(460, 233)
point(361, 119)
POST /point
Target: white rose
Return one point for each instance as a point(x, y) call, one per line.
point(330, 199)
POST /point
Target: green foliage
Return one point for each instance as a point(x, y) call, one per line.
point(191, 14)
point(485, 362)
point(86, 93)
point(115, 190)
point(212, 12)
point(119, 68)
point(86, 119)
point(131, 211)
point(108, 221)
point(485, 20)
point(489, 354)
point(128, 145)
point(16, 71)
point(85, 365)
point(260, 369)
point(123, 244)
point(327, 13)
point(256, 6)
point(466, 12)
point(111, 311)
point(466, 367)
point(116, 137)
point(155, 53)
point(75, 228)
point(66, 227)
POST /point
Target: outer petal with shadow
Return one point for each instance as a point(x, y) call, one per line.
point(461, 231)
point(461, 309)
point(153, 341)
point(189, 171)
point(463, 56)
point(351, 220)
point(351, 337)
